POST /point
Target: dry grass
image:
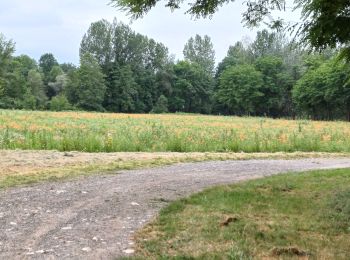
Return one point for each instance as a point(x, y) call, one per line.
point(22, 167)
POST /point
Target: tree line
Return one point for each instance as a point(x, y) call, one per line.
point(123, 71)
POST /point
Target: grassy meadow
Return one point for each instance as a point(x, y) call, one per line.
point(107, 132)
point(293, 216)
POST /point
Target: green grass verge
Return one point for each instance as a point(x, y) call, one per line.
point(282, 217)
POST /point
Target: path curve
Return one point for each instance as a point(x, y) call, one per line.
point(95, 217)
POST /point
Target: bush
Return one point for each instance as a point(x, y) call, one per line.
point(60, 103)
point(29, 101)
point(161, 105)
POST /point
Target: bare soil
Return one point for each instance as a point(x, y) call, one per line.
point(95, 217)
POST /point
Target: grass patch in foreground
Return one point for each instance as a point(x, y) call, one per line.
point(283, 217)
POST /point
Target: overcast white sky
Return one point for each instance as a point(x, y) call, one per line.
point(57, 26)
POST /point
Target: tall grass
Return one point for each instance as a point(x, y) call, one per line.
point(98, 132)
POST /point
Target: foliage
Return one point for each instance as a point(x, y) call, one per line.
point(122, 92)
point(324, 23)
point(236, 55)
point(29, 101)
point(132, 73)
point(46, 63)
point(36, 86)
point(58, 85)
point(256, 10)
point(240, 89)
point(7, 48)
point(68, 67)
point(91, 88)
point(60, 103)
point(323, 92)
point(201, 51)
point(276, 82)
point(98, 42)
point(192, 89)
point(25, 64)
point(267, 44)
point(161, 105)
point(130, 62)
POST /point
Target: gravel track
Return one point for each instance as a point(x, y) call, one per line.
point(95, 217)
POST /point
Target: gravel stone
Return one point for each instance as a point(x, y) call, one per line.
point(107, 208)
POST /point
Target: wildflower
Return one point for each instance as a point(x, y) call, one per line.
point(326, 138)
point(283, 138)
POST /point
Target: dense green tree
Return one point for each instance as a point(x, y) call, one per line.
point(236, 55)
point(15, 78)
point(56, 81)
point(46, 62)
point(164, 80)
point(130, 62)
point(161, 105)
point(29, 101)
point(293, 57)
point(25, 64)
point(36, 89)
point(345, 97)
point(98, 41)
point(192, 89)
point(267, 43)
point(323, 92)
point(121, 95)
point(58, 86)
point(277, 83)
point(7, 48)
point(54, 73)
point(68, 67)
point(200, 50)
point(60, 103)
point(15, 86)
point(14, 90)
point(72, 87)
point(122, 71)
point(146, 89)
point(91, 89)
point(240, 89)
point(14, 83)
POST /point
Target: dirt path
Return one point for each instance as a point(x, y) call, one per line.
point(95, 217)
